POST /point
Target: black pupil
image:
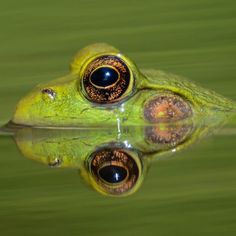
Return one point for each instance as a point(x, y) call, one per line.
point(113, 174)
point(104, 76)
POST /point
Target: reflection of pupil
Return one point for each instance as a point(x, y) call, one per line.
point(113, 174)
point(104, 76)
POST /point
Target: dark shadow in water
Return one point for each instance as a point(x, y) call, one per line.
point(113, 163)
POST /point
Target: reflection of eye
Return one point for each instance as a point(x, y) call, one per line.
point(112, 174)
point(106, 79)
point(115, 170)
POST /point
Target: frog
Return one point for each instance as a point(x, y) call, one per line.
point(105, 87)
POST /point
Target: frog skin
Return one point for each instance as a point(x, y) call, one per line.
point(105, 87)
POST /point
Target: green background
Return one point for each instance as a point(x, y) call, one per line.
point(192, 194)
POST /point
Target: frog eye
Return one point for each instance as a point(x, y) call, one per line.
point(107, 79)
point(114, 170)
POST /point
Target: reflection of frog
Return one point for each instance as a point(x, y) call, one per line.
point(113, 164)
point(104, 85)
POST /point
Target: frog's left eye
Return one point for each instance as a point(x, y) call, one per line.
point(107, 79)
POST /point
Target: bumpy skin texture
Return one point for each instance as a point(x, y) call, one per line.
point(62, 102)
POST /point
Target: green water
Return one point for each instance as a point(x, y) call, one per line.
point(191, 194)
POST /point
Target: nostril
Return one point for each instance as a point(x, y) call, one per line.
point(50, 92)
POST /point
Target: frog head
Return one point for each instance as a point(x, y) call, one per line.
point(105, 87)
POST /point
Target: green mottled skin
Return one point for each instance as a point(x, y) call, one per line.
point(70, 108)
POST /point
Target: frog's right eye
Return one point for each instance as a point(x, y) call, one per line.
point(107, 79)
